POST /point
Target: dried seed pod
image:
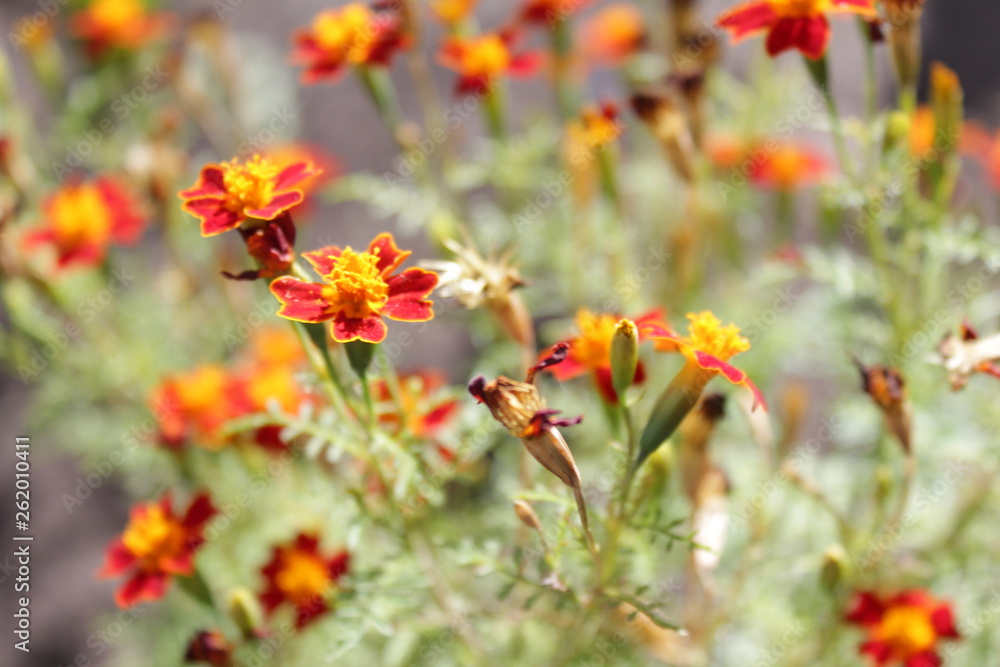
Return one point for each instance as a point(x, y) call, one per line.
point(526, 513)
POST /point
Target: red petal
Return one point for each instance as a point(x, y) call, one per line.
point(339, 565)
point(320, 258)
point(808, 35)
point(748, 19)
point(210, 184)
point(301, 301)
point(866, 609)
point(925, 659)
point(143, 587)
point(389, 256)
point(731, 373)
point(878, 650)
point(437, 417)
point(200, 511)
point(371, 329)
point(278, 205)
point(215, 219)
point(309, 611)
point(943, 621)
point(602, 378)
point(307, 542)
point(405, 310)
point(412, 284)
point(294, 174)
point(117, 559)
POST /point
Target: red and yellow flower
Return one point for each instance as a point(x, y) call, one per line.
point(325, 167)
point(354, 34)
point(903, 629)
point(194, 405)
point(358, 290)
point(590, 350)
point(156, 545)
point(788, 167)
point(613, 34)
point(228, 194)
point(482, 60)
point(791, 24)
point(422, 412)
point(707, 347)
point(118, 24)
point(299, 575)
point(82, 219)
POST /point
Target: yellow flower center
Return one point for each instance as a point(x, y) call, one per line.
point(80, 215)
point(202, 388)
point(302, 576)
point(115, 15)
point(801, 8)
point(154, 534)
point(452, 11)
point(786, 167)
point(275, 383)
point(249, 185)
point(485, 56)
point(706, 334)
point(908, 631)
point(347, 32)
point(355, 285)
point(592, 348)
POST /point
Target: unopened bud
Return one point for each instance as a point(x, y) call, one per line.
point(624, 356)
point(835, 568)
point(946, 101)
point(527, 515)
point(245, 612)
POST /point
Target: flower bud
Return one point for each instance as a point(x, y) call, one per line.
point(888, 390)
point(245, 612)
point(210, 647)
point(836, 567)
point(946, 101)
point(624, 356)
point(904, 39)
point(526, 514)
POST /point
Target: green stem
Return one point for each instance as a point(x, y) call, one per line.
point(819, 70)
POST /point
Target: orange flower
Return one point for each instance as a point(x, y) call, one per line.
point(117, 24)
point(422, 412)
point(482, 60)
point(156, 544)
point(788, 167)
point(350, 35)
point(708, 348)
point(903, 629)
point(299, 575)
point(550, 12)
point(590, 350)
point(193, 406)
point(82, 219)
point(613, 34)
point(791, 24)
point(227, 194)
point(357, 291)
point(596, 128)
point(452, 11)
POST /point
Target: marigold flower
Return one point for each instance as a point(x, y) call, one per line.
point(452, 11)
point(791, 24)
point(354, 34)
point(482, 60)
point(788, 167)
point(117, 24)
point(193, 406)
point(227, 194)
point(596, 128)
point(613, 34)
point(590, 350)
point(422, 411)
point(903, 629)
point(156, 544)
point(299, 575)
point(82, 219)
point(708, 346)
point(358, 290)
